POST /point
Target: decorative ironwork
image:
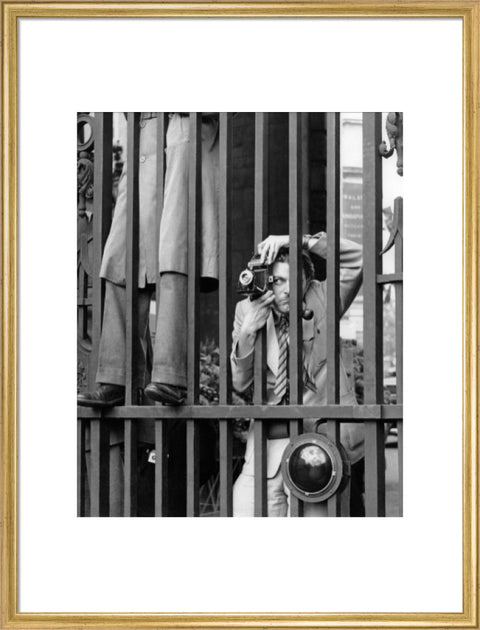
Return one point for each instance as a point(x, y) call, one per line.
point(85, 129)
point(85, 141)
point(395, 229)
point(394, 129)
point(85, 157)
point(84, 182)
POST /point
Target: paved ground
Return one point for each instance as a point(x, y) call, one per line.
point(391, 482)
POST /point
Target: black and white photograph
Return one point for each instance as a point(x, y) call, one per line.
point(239, 314)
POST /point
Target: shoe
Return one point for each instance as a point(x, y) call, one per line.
point(104, 396)
point(167, 394)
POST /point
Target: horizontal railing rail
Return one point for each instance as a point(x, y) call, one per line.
point(351, 413)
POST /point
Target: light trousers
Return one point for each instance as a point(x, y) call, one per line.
point(278, 498)
point(170, 350)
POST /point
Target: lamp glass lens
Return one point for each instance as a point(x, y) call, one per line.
point(310, 468)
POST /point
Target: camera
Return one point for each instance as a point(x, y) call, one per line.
point(256, 279)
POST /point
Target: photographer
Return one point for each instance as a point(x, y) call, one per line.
point(271, 311)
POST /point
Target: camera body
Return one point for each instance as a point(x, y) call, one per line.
point(256, 279)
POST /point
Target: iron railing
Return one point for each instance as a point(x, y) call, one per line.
point(95, 427)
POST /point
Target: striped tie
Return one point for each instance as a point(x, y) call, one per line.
point(281, 384)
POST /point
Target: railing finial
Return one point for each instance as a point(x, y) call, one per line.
point(394, 128)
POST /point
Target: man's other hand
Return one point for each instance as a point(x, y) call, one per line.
point(268, 248)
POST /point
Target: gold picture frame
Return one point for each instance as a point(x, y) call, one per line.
point(468, 12)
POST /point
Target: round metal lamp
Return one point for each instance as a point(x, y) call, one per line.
point(314, 468)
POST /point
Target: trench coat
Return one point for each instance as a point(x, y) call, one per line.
point(314, 333)
point(172, 253)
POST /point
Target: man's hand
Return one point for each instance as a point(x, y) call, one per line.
point(257, 315)
point(255, 319)
point(250, 317)
point(268, 248)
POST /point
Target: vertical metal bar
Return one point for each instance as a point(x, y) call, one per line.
point(87, 301)
point(81, 468)
point(130, 468)
point(296, 505)
point(333, 258)
point(132, 246)
point(372, 313)
point(131, 324)
point(193, 470)
point(81, 302)
point(225, 445)
point(194, 236)
point(295, 258)
point(102, 216)
point(400, 466)
point(260, 232)
point(160, 425)
point(398, 209)
point(260, 468)
point(225, 311)
point(333, 279)
point(260, 383)
point(99, 434)
point(225, 265)
point(161, 498)
point(296, 275)
point(305, 148)
point(339, 503)
point(99, 467)
point(162, 121)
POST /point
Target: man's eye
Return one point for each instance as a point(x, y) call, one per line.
point(277, 281)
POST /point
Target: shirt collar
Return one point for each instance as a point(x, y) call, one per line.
point(279, 318)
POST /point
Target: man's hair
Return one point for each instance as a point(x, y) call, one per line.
point(307, 264)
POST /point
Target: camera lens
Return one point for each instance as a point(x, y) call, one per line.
point(246, 277)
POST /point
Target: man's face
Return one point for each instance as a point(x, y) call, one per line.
point(281, 286)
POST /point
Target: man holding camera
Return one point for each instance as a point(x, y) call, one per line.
point(270, 311)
